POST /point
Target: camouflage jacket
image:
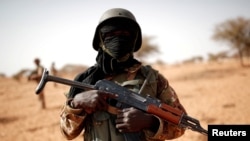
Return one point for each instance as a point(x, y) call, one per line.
point(100, 126)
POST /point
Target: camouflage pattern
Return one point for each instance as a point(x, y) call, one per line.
point(101, 125)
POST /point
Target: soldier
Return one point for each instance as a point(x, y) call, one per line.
point(53, 70)
point(36, 75)
point(117, 37)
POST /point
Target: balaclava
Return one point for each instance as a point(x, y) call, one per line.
point(118, 40)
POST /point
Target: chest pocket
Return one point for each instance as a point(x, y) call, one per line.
point(144, 81)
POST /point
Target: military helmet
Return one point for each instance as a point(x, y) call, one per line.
point(37, 60)
point(112, 14)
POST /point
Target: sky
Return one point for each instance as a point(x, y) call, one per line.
point(62, 31)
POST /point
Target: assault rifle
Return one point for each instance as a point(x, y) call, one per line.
point(123, 95)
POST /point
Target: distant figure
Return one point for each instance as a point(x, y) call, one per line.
point(53, 71)
point(36, 75)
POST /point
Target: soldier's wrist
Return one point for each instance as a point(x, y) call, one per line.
point(70, 103)
point(71, 108)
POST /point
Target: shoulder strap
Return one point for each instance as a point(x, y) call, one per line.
point(150, 71)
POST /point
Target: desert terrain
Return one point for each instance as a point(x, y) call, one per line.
point(213, 93)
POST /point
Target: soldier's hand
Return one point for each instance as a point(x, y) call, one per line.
point(90, 101)
point(133, 120)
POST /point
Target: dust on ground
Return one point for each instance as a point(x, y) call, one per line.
point(213, 93)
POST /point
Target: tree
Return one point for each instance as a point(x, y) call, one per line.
point(146, 48)
point(236, 32)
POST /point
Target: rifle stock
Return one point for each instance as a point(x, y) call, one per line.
point(123, 95)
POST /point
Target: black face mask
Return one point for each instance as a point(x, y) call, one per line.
point(118, 40)
point(119, 46)
point(109, 65)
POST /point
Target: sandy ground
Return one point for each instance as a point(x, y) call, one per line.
point(213, 93)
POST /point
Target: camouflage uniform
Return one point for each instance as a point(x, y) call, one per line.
point(101, 125)
point(116, 38)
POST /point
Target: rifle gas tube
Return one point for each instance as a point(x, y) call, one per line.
point(123, 95)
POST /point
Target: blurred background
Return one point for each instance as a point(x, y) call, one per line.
point(201, 46)
point(61, 31)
